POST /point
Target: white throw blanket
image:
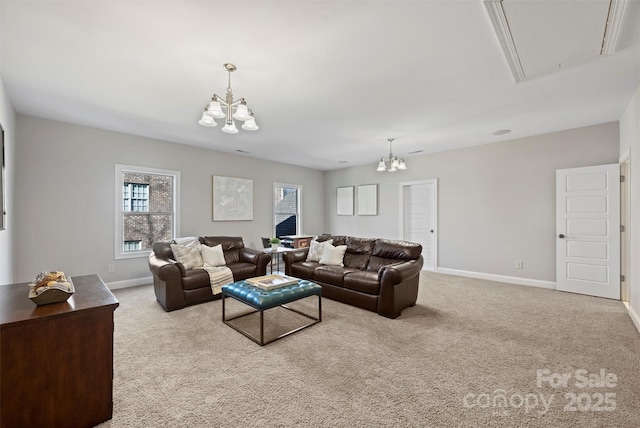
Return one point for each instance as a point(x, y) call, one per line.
point(218, 276)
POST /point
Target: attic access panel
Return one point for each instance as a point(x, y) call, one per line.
point(542, 37)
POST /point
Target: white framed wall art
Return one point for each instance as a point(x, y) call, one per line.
point(232, 199)
point(344, 200)
point(368, 199)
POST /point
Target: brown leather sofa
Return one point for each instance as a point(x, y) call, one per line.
point(379, 275)
point(177, 287)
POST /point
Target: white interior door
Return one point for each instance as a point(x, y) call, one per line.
point(625, 215)
point(419, 219)
point(588, 230)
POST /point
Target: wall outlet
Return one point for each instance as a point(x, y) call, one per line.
point(519, 264)
point(112, 268)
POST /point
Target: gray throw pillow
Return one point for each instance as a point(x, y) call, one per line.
point(189, 256)
point(315, 250)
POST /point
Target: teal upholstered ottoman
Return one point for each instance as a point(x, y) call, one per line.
point(261, 300)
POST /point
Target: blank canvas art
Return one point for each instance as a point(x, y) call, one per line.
point(232, 199)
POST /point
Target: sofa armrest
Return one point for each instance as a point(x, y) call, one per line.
point(294, 256)
point(258, 258)
point(249, 255)
point(164, 268)
point(167, 282)
point(398, 287)
point(399, 272)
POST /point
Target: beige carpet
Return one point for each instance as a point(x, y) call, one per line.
point(466, 355)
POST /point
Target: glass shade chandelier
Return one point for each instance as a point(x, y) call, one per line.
point(391, 164)
point(237, 110)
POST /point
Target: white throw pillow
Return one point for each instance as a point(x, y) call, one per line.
point(316, 249)
point(212, 256)
point(333, 256)
point(189, 256)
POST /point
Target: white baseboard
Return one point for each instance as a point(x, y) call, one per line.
point(634, 317)
point(499, 278)
point(129, 283)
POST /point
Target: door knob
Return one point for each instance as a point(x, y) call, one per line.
point(561, 236)
point(431, 230)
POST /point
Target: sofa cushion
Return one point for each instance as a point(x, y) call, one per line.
point(375, 263)
point(357, 261)
point(304, 270)
point(338, 240)
point(231, 246)
point(188, 241)
point(333, 256)
point(360, 245)
point(363, 281)
point(212, 256)
point(387, 252)
point(398, 250)
point(358, 252)
point(333, 275)
point(316, 249)
point(227, 242)
point(189, 256)
point(195, 278)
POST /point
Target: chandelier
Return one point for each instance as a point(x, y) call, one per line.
point(234, 110)
point(392, 164)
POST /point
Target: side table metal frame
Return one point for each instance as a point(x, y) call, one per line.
point(277, 253)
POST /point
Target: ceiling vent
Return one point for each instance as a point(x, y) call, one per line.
point(541, 37)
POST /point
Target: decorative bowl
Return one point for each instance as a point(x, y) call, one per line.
point(60, 292)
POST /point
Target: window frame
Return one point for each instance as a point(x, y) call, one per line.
point(277, 185)
point(119, 207)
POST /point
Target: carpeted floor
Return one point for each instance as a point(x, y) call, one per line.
point(471, 353)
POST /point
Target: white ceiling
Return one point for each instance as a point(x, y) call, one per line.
point(328, 81)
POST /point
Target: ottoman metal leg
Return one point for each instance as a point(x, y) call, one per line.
point(261, 327)
point(261, 342)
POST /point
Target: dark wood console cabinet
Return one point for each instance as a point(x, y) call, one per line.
point(56, 361)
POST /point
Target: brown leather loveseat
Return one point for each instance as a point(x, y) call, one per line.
point(379, 275)
point(177, 287)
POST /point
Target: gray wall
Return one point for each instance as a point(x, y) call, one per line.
point(496, 203)
point(66, 182)
point(7, 119)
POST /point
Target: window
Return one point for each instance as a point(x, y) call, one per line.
point(146, 209)
point(287, 209)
